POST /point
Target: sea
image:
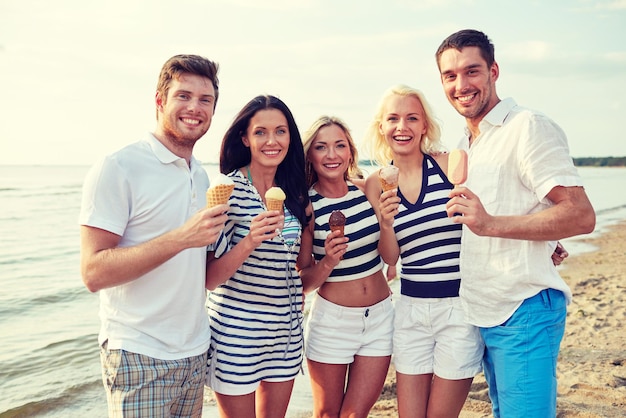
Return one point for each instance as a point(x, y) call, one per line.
point(49, 357)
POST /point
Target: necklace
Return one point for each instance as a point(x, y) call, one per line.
point(291, 248)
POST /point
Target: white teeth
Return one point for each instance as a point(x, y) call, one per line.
point(402, 138)
point(191, 121)
point(275, 152)
point(465, 98)
point(332, 165)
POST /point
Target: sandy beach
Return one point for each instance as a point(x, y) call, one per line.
point(592, 363)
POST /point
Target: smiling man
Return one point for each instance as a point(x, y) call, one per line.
point(144, 236)
point(522, 194)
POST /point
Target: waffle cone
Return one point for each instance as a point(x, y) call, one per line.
point(219, 194)
point(274, 204)
point(334, 228)
point(387, 186)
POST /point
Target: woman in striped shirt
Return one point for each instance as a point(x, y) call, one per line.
point(255, 306)
point(436, 354)
point(348, 338)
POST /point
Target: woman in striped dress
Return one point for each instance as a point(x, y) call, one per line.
point(436, 354)
point(350, 325)
point(255, 306)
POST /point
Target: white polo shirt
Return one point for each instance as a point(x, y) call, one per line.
point(519, 156)
point(141, 192)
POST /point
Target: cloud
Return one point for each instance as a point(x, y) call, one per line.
point(611, 5)
point(280, 5)
point(618, 57)
point(543, 59)
point(432, 4)
point(530, 51)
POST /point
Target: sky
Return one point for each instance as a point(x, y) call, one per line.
point(78, 77)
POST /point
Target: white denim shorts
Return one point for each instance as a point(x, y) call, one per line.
point(431, 336)
point(334, 334)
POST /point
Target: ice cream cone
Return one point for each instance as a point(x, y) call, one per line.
point(274, 204)
point(337, 221)
point(388, 177)
point(274, 198)
point(387, 186)
point(219, 194)
point(334, 228)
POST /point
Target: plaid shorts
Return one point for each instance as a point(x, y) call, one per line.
point(142, 386)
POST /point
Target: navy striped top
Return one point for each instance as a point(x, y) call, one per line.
point(361, 258)
point(429, 242)
point(256, 315)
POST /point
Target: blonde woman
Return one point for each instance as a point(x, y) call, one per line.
point(436, 354)
point(348, 336)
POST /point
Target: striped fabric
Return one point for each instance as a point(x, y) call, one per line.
point(429, 242)
point(256, 316)
point(362, 257)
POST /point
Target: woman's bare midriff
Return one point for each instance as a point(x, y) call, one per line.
point(359, 293)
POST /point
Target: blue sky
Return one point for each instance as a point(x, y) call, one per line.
point(78, 77)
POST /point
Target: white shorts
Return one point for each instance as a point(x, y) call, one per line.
point(431, 336)
point(334, 334)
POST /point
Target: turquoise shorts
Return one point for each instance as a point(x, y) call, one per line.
point(520, 357)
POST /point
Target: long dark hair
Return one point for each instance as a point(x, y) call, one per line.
point(290, 173)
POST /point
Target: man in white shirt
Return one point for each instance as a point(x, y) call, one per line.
point(522, 194)
point(145, 230)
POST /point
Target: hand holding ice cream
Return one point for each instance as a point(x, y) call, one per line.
point(274, 200)
point(388, 177)
point(337, 222)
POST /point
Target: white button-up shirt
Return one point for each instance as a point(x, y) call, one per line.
point(519, 156)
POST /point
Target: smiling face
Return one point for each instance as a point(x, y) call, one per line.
point(267, 137)
point(186, 114)
point(330, 153)
point(469, 84)
point(403, 124)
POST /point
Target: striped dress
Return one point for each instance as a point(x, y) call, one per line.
point(362, 257)
point(429, 242)
point(256, 316)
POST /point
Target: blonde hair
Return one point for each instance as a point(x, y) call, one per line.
point(375, 142)
point(309, 136)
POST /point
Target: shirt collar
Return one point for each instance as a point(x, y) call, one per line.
point(498, 114)
point(495, 117)
point(165, 155)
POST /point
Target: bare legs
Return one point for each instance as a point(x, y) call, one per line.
point(423, 395)
point(347, 390)
point(269, 401)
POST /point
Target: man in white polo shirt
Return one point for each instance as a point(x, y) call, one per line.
point(145, 230)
